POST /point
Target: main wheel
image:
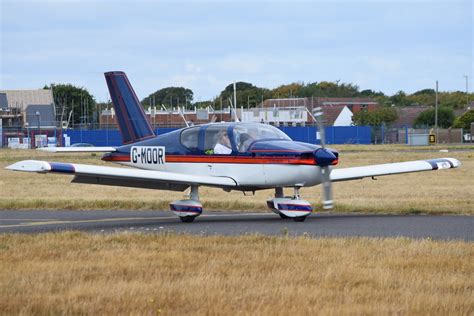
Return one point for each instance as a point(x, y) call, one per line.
point(187, 219)
point(299, 218)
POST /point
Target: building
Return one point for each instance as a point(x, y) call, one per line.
point(337, 111)
point(353, 104)
point(22, 108)
point(407, 115)
point(27, 117)
point(337, 115)
point(175, 117)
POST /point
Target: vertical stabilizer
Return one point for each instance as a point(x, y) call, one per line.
point(131, 118)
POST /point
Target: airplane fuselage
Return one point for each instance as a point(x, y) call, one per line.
point(266, 163)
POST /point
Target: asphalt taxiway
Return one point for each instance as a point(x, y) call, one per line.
point(316, 225)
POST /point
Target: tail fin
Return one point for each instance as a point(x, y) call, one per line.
point(131, 119)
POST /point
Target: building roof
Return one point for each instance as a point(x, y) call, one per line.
point(316, 101)
point(23, 98)
point(408, 114)
point(331, 113)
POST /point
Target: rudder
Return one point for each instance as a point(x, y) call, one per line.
point(131, 118)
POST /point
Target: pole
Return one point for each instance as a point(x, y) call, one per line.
point(235, 95)
point(38, 115)
point(467, 92)
point(235, 100)
point(436, 112)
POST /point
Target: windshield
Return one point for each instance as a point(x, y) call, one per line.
point(246, 134)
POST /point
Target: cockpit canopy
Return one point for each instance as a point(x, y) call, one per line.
point(228, 137)
point(246, 134)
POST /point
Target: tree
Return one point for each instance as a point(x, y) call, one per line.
point(465, 120)
point(400, 99)
point(422, 97)
point(455, 100)
point(371, 93)
point(170, 97)
point(329, 89)
point(247, 93)
point(375, 118)
point(425, 91)
point(291, 90)
point(69, 98)
point(427, 118)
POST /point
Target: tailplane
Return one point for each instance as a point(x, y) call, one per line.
point(131, 118)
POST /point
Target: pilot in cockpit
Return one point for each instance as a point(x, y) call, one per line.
point(223, 146)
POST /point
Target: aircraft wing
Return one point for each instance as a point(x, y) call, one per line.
point(78, 149)
point(354, 173)
point(122, 176)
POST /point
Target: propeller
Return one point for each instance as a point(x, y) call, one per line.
point(324, 158)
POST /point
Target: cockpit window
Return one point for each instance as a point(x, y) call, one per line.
point(190, 137)
point(216, 140)
point(246, 134)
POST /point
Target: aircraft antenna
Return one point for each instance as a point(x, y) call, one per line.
point(180, 111)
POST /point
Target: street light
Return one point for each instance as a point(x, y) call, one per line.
point(38, 116)
point(436, 113)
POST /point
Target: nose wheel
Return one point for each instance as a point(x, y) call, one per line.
point(187, 210)
point(290, 207)
point(187, 219)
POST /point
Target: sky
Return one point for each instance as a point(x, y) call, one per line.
point(205, 45)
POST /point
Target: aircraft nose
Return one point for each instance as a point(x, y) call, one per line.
point(325, 157)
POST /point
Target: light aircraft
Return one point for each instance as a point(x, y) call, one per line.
point(231, 156)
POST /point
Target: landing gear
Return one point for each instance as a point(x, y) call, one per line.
point(299, 218)
point(189, 209)
point(290, 207)
point(187, 219)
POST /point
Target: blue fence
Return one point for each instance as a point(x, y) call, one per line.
point(348, 134)
point(307, 134)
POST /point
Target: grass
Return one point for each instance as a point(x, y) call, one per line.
point(78, 273)
point(437, 192)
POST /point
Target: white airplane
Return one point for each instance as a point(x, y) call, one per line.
point(232, 156)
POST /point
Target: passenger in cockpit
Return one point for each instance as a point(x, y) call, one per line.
point(223, 146)
point(245, 141)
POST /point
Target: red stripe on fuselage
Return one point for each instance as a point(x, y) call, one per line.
point(224, 159)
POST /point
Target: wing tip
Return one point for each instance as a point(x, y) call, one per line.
point(455, 163)
point(30, 166)
point(47, 149)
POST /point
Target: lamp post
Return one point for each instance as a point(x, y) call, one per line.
point(38, 116)
point(436, 112)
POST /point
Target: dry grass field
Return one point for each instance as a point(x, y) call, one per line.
point(138, 274)
point(438, 192)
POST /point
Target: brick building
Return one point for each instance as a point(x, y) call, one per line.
point(353, 104)
point(172, 118)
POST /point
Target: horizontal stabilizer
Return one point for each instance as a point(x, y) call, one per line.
point(78, 149)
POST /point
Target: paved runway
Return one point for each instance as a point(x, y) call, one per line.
point(316, 225)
